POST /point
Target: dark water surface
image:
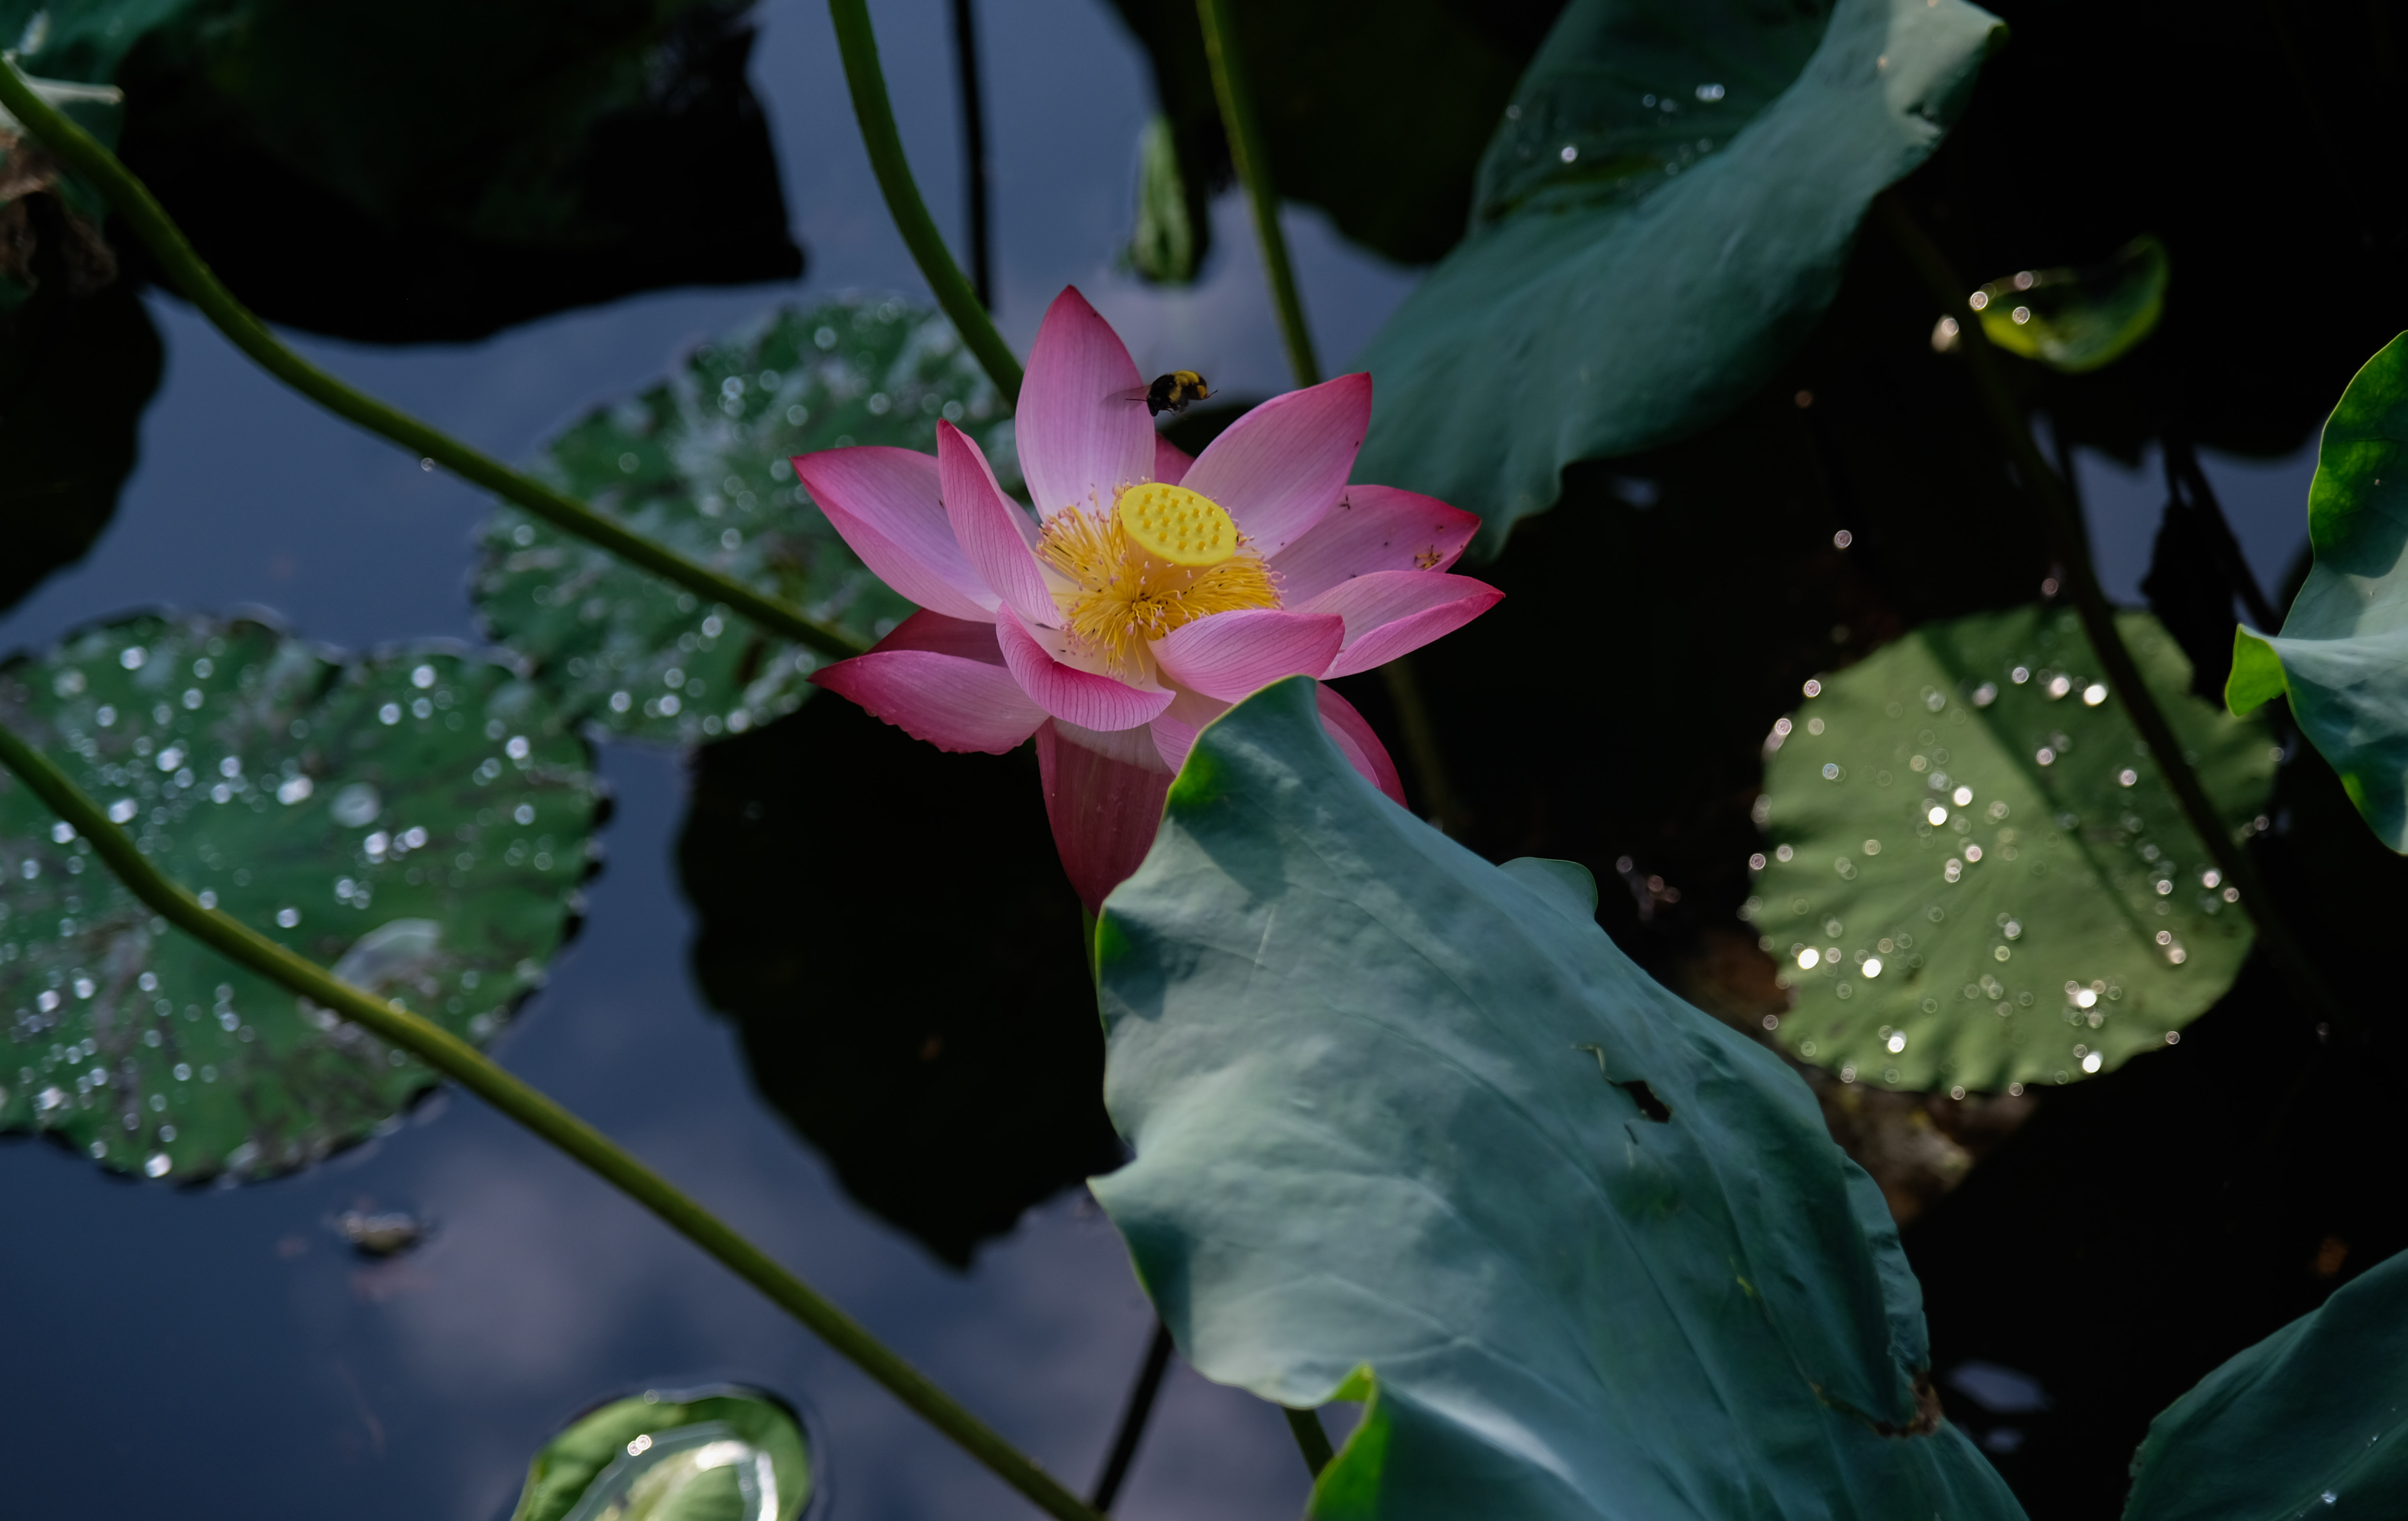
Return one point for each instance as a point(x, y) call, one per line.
point(222, 1353)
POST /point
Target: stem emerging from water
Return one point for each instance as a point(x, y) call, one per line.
point(1133, 1418)
point(974, 174)
point(199, 285)
point(464, 1063)
point(1232, 88)
point(1311, 1439)
point(2070, 544)
point(876, 113)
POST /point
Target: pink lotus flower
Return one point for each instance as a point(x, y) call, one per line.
point(1149, 591)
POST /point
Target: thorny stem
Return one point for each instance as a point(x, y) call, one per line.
point(1235, 92)
point(462, 1062)
point(2070, 546)
point(876, 113)
point(199, 285)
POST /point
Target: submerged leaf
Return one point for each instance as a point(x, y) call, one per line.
point(2307, 1423)
point(2077, 320)
point(699, 463)
point(1660, 219)
point(1408, 1127)
point(721, 1454)
point(2343, 654)
point(418, 820)
point(1978, 877)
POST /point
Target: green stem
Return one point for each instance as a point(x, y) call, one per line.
point(199, 285)
point(457, 1059)
point(876, 113)
point(1430, 777)
point(2062, 518)
point(1311, 1439)
point(1235, 92)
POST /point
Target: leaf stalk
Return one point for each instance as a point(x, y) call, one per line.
point(2070, 543)
point(1310, 1439)
point(858, 44)
point(1234, 88)
point(193, 279)
point(472, 1070)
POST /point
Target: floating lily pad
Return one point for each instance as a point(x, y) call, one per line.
point(1661, 218)
point(723, 1454)
point(2343, 654)
point(1976, 877)
point(2077, 320)
point(418, 820)
point(1408, 1127)
point(2307, 1423)
point(700, 463)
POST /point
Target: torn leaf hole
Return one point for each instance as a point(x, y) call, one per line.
point(1644, 1097)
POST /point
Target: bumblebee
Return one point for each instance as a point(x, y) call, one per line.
point(1170, 393)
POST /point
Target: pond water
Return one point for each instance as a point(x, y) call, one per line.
point(225, 1352)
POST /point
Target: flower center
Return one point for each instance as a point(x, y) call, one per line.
point(1164, 557)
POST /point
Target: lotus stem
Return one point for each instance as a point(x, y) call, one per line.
point(472, 1070)
point(2070, 543)
point(1311, 1439)
point(974, 169)
point(1133, 1418)
point(1235, 92)
point(876, 113)
point(80, 151)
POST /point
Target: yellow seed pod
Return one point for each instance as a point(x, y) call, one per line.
point(1173, 524)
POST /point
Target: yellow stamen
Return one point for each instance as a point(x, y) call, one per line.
point(1143, 570)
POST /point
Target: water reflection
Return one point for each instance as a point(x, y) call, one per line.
point(891, 931)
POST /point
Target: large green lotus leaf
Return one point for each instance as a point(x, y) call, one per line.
point(1977, 878)
point(1662, 217)
point(1408, 1126)
point(723, 1454)
point(700, 463)
point(419, 821)
point(2307, 1423)
point(2343, 654)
